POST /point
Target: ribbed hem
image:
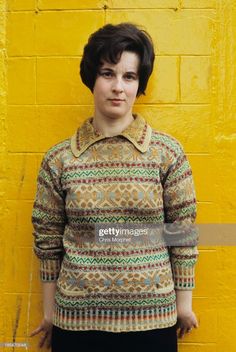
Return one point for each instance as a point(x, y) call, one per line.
point(115, 320)
point(49, 269)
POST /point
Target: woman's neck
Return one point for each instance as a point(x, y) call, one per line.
point(110, 127)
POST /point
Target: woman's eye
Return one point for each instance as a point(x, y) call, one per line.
point(106, 74)
point(129, 77)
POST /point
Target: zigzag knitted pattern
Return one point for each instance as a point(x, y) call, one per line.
point(140, 176)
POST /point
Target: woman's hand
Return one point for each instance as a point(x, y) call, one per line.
point(46, 328)
point(186, 320)
point(49, 289)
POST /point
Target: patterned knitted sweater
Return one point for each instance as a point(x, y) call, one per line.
point(139, 176)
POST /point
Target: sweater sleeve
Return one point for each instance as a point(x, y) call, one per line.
point(180, 208)
point(48, 218)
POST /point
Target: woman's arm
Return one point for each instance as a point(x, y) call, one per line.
point(49, 290)
point(180, 208)
point(49, 220)
point(186, 317)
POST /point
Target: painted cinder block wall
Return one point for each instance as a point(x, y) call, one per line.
point(191, 95)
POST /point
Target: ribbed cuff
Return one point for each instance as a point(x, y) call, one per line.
point(49, 269)
point(184, 278)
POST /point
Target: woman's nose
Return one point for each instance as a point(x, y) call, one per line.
point(117, 85)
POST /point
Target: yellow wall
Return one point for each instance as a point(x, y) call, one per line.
point(42, 101)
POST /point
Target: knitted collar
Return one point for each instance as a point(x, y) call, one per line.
point(138, 133)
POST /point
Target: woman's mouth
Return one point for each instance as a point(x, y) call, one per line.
point(116, 101)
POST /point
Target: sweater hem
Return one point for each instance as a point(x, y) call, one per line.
point(73, 321)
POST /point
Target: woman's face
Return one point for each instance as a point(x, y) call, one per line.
point(116, 87)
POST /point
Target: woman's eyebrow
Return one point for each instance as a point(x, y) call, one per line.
point(112, 70)
point(106, 68)
point(132, 72)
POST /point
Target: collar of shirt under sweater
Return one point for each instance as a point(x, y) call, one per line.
point(138, 133)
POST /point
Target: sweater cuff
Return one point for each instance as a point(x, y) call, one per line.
point(49, 269)
point(184, 278)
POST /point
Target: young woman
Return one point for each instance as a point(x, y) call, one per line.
point(115, 170)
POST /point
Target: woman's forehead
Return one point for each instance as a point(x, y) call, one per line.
point(128, 61)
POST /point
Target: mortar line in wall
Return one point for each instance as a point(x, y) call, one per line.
point(18, 293)
point(91, 104)
point(80, 56)
point(160, 8)
point(158, 105)
point(179, 77)
point(137, 9)
point(20, 246)
point(201, 250)
point(206, 202)
point(174, 104)
point(204, 344)
point(231, 77)
point(199, 344)
point(203, 297)
point(105, 7)
point(36, 75)
point(3, 178)
point(36, 63)
point(198, 153)
point(37, 10)
point(21, 200)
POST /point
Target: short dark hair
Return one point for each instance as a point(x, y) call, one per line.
point(108, 44)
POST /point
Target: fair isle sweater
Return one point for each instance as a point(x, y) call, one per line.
point(139, 176)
